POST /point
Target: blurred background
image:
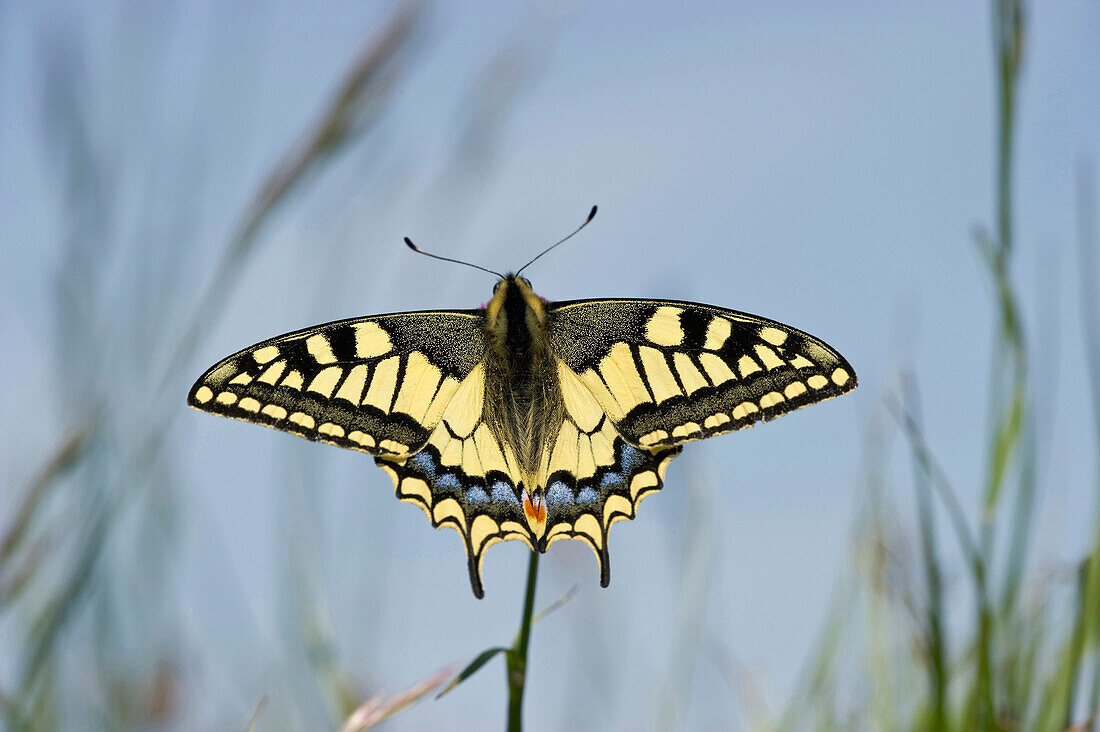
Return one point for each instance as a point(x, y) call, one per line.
point(913, 184)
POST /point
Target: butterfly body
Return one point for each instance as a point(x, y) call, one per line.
point(523, 404)
point(527, 420)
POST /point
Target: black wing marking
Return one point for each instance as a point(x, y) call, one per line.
point(377, 384)
point(669, 372)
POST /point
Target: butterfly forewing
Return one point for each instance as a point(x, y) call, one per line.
point(669, 372)
point(378, 384)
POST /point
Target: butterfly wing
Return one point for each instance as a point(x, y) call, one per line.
point(641, 377)
point(594, 478)
point(669, 372)
point(407, 388)
point(378, 385)
point(465, 477)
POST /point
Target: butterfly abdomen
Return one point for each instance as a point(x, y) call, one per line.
point(526, 398)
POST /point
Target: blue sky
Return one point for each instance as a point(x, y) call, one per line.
point(823, 165)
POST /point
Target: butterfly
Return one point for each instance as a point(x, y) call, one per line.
point(524, 419)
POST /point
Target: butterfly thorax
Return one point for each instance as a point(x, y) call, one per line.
point(520, 371)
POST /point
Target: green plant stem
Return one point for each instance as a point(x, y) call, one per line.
point(1008, 28)
point(937, 637)
point(517, 658)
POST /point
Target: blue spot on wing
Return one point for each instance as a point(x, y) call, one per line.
point(423, 462)
point(559, 493)
point(630, 458)
point(587, 495)
point(449, 480)
point(504, 493)
point(476, 494)
point(610, 479)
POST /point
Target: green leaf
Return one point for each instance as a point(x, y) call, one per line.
point(483, 658)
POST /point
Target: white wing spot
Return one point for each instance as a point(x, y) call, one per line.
point(361, 438)
point(653, 437)
point(294, 381)
point(302, 420)
point(771, 399)
point(773, 336)
point(718, 330)
point(716, 368)
point(265, 354)
point(371, 340)
point(664, 327)
point(325, 382)
point(794, 389)
point(320, 349)
point(397, 448)
point(716, 420)
point(801, 362)
point(747, 366)
point(352, 388)
point(767, 355)
point(743, 410)
point(686, 430)
point(661, 380)
point(274, 411)
point(273, 372)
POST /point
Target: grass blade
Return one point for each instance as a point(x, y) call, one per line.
point(473, 667)
point(934, 622)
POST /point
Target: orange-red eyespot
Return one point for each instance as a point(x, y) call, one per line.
point(535, 510)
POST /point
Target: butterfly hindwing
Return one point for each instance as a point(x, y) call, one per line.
point(592, 476)
point(378, 385)
point(668, 372)
point(465, 477)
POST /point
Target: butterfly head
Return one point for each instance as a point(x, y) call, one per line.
point(514, 305)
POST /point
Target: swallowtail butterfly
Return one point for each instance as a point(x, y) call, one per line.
point(526, 419)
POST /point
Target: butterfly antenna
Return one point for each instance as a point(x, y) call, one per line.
point(591, 215)
point(418, 250)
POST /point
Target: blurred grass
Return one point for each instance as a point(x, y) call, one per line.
point(114, 452)
point(1025, 655)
